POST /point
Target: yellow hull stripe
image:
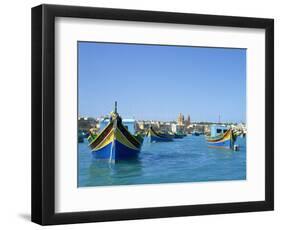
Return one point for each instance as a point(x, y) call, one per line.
point(99, 134)
point(106, 141)
point(117, 136)
point(152, 133)
point(225, 138)
point(123, 140)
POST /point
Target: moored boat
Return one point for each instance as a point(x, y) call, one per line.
point(221, 137)
point(154, 136)
point(80, 137)
point(115, 142)
point(85, 134)
point(195, 133)
point(179, 135)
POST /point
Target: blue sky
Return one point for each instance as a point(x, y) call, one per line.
point(158, 82)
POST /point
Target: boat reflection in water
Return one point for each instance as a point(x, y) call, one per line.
point(115, 142)
point(125, 172)
point(180, 161)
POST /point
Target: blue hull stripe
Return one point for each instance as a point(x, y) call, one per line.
point(159, 139)
point(119, 152)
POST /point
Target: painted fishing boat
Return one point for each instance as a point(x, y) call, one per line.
point(222, 137)
point(85, 134)
point(115, 141)
point(153, 136)
point(179, 135)
point(80, 137)
point(195, 133)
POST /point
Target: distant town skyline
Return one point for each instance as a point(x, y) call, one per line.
point(153, 82)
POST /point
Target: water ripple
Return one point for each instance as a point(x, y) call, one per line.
point(184, 160)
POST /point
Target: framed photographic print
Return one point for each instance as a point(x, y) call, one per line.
point(142, 114)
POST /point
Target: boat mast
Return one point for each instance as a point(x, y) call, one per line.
point(115, 108)
point(112, 150)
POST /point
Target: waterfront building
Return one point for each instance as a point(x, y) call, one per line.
point(180, 119)
point(175, 128)
point(166, 126)
point(207, 129)
point(197, 127)
point(188, 122)
point(129, 124)
point(141, 125)
point(86, 123)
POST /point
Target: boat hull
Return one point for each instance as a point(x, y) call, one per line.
point(179, 136)
point(153, 136)
point(226, 141)
point(159, 139)
point(115, 143)
point(221, 144)
point(80, 137)
point(116, 151)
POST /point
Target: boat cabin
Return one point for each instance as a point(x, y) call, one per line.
point(218, 130)
point(129, 124)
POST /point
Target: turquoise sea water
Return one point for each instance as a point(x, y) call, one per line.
point(183, 160)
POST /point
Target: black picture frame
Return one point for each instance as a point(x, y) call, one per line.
point(43, 114)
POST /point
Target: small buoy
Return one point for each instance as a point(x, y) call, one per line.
point(236, 148)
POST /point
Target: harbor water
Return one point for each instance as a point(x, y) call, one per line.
point(183, 160)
